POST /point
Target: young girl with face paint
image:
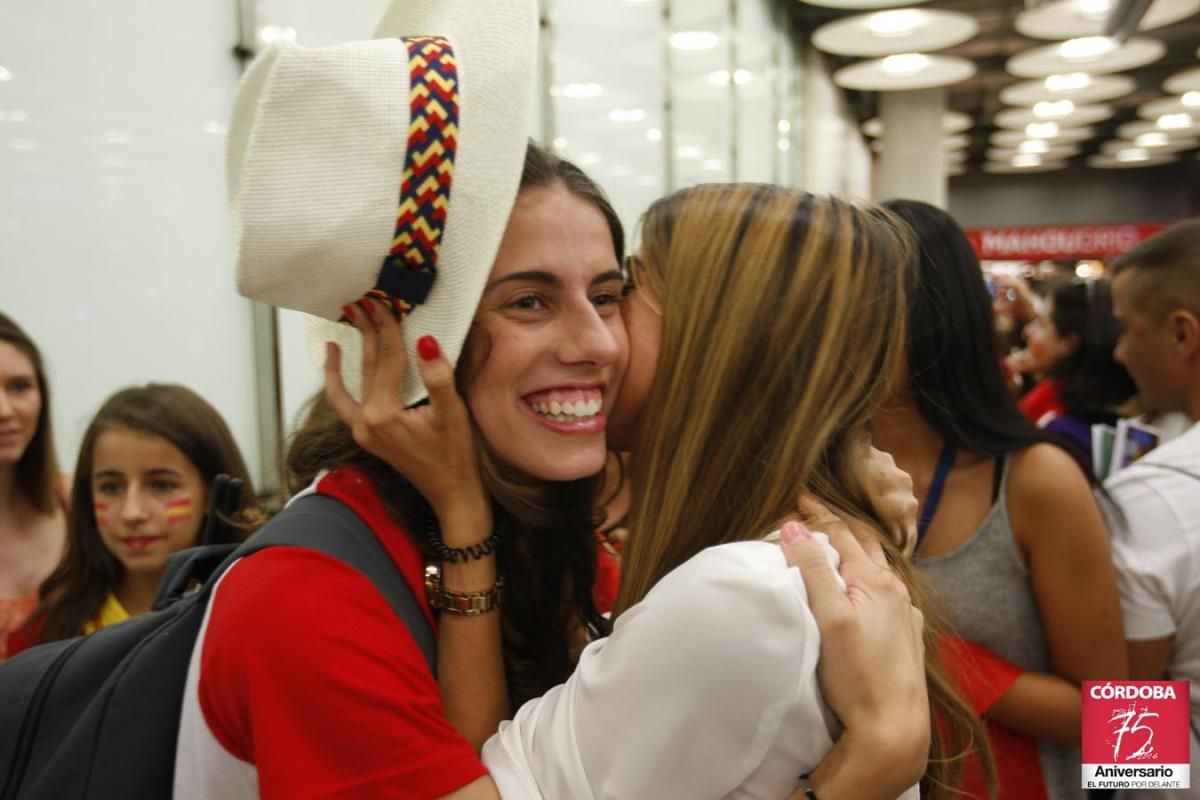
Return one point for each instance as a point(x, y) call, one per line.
point(140, 494)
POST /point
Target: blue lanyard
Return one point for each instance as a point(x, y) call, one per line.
point(945, 463)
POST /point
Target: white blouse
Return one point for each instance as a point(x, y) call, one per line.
point(705, 689)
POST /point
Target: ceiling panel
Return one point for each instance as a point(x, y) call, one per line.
point(1173, 27)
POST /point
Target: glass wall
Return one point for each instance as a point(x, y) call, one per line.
point(605, 87)
point(115, 251)
point(653, 95)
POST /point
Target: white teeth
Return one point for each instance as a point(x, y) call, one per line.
point(568, 411)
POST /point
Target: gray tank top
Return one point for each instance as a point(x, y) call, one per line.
point(984, 591)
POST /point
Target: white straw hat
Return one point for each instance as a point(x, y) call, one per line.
point(387, 167)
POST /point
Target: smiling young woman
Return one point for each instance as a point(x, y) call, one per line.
point(32, 518)
point(139, 494)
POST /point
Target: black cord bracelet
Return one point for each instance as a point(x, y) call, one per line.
point(452, 555)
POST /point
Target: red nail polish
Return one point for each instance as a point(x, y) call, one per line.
point(427, 348)
point(348, 312)
point(367, 305)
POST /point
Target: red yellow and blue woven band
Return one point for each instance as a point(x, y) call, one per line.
point(409, 270)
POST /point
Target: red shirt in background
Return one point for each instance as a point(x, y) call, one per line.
point(1043, 400)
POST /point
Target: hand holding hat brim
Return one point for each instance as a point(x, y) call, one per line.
point(430, 444)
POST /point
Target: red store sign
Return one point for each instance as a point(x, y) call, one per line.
point(1058, 242)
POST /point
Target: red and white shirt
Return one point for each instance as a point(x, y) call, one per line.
point(305, 684)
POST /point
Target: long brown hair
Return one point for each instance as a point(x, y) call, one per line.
point(783, 325)
point(36, 473)
point(548, 552)
point(75, 592)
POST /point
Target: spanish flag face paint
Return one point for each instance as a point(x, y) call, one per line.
point(149, 498)
point(179, 511)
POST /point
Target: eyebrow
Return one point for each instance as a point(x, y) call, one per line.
point(549, 279)
point(158, 471)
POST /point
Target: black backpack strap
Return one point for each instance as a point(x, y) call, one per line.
point(321, 523)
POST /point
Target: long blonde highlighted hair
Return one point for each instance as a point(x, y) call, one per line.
point(783, 326)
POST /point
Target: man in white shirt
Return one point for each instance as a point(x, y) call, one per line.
point(1156, 299)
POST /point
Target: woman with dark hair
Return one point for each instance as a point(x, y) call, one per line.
point(1071, 341)
point(471, 445)
point(140, 493)
point(32, 505)
point(1010, 533)
point(695, 555)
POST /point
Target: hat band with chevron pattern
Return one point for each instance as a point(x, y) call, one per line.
point(410, 268)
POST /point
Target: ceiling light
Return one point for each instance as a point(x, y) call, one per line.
point(900, 22)
point(742, 76)
point(1191, 99)
point(784, 126)
point(1174, 122)
point(1041, 130)
point(1086, 48)
point(581, 91)
point(1052, 110)
point(587, 159)
point(694, 40)
point(560, 143)
point(16, 115)
point(627, 115)
point(1034, 146)
point(5, 74)
point(712, 164)
point(905, 64)
point(1095, 9)
point(688, 151)
point(783, 144)
point(1132, 154)
point(1152, 139)
point(654, 135)
point(1026, 160)
point(215, 128)
point(1068, 82)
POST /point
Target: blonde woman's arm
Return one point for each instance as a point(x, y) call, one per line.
point(884, 749)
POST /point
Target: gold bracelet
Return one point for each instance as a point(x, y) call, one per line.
point(463, 604)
